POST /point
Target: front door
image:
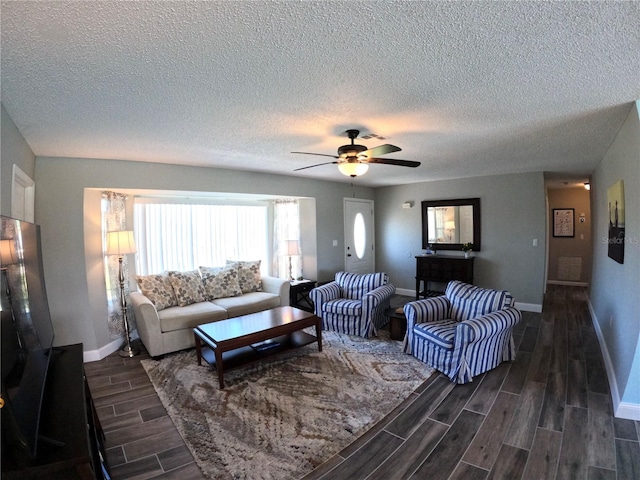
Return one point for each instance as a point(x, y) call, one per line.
point(358, 236)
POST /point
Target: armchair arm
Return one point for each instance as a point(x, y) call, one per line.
point(374, 304)
point(482, 343)
point(322, 294)
point(424, 311)
point(380, 294)
point(476, 329)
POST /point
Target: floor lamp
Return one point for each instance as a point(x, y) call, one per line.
point(8, 256)
point(121, 243)
point(293, 248)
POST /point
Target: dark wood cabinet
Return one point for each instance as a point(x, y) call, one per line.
point(299, 294)
point(440, 269)
point(76, 447)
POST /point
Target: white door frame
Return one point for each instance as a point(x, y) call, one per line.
point(22, 195)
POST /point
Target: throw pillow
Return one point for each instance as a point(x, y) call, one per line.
point(248, 275)
point(220, 282)
point(188, 287)
point(158, 289)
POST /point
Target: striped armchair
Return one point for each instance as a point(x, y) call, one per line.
point(353, 304)
point(464, 333)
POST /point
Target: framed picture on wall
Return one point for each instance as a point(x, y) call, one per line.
point(563, 222)
point(615, 197)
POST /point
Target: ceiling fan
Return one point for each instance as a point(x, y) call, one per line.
point(354, 160)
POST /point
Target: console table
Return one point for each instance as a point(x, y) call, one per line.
point(441, 269)
point(69, 417)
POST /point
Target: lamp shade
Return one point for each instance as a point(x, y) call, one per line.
point(8, 254)
point(293, 247)
point(450, 225)
point(353, 169)
point(120, 243)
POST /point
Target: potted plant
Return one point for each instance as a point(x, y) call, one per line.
point(467, 248)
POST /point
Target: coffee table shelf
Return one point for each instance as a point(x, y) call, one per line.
point(237, 341)
point(244, 355)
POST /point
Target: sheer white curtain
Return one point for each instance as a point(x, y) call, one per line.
point(286, 228)
point(114, 218)
point(178, 236)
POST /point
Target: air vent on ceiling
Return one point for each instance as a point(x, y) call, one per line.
point(372, 135)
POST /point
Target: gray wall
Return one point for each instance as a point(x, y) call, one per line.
point(614, 292)
point(580, 245)
point(72, 259)
point(512, 212)
point(14, 151)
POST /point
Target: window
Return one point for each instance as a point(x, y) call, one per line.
point(181, 236)
point(359, 235)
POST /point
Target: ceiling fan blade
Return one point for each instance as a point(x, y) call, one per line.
point(391, 161)
point(319, 154)
point(311, 166)
point(379, 150)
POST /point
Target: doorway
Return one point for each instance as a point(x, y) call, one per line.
point(358, 236)
point(569, 252)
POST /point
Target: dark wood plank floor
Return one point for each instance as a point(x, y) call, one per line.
point(548, 414)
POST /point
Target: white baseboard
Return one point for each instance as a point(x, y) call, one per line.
point(529, 307)
point(630, 411)
point(406, 291)
point(570, 284)
point(526, 307)
point(108, 349)
point(99, 354)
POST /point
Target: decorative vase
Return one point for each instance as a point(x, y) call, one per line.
point(467, 254)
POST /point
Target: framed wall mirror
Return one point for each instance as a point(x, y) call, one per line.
point(448, 224)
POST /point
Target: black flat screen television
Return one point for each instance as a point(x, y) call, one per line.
point(27, 336)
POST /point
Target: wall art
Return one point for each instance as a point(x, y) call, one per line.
point(563, 222)
point(615, 198)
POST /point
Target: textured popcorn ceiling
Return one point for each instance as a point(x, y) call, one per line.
point(466, 88)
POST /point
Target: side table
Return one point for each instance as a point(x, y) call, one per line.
point(299, 294)
point(397, 323)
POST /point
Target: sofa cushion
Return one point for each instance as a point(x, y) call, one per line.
point(440, 332)
point(158, 289)
point(220, 282)
point(343, 306)
point(248, 275)
point(354, 286)
point(180, 318)
point(248, 303)
point(188, 287)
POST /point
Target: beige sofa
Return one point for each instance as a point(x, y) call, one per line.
point(171, 329)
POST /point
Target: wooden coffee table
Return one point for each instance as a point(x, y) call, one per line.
point(240, 340)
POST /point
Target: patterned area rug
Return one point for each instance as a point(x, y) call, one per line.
point(282, 416)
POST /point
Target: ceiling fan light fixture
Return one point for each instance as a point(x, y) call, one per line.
point(353, 169)
point(353, 160)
